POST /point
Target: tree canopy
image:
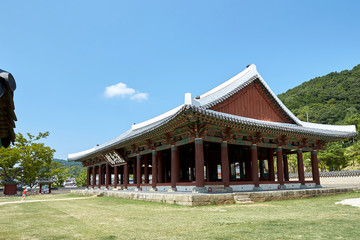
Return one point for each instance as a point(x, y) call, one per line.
point(330, 99)
point(28, 160)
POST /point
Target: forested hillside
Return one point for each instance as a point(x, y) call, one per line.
point(330, 99)
point(67, 164)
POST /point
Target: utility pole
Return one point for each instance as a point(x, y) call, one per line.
point(307, 116)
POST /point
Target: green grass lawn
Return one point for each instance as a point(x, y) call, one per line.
point(37, 197)
point(111, 218)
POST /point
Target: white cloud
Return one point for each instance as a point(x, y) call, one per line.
point(139, 96)
point(121, 90)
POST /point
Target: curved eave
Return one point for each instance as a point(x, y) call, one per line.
point(132, 134)
point(129, 135)
point(284, 127)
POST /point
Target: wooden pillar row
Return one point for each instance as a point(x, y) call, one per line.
point(315, 168)
point(175, 167)
point(286, 167)
point(280, 169)
point(225, 168)
point(271, 164)
point(154, 170)
point(138, 171)
point(199, 165)
point(88, 174)
point(94, 177)
point(301, 168)
point(126, 175)
point(255, 167)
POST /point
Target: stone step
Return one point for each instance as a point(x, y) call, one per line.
point(243, 200)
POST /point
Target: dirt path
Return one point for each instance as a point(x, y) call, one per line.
point(46, 200)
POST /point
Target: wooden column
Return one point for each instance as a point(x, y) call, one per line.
point(255, 167)
point(116, 176)
point(126, 175)
point(94, 177)
point(134, 171)
point(108, 176)
point(199, 163)
point(280, 169)
point(160, 167)
point(175, 168)
point(301, 168)
point(271, 164)
point(315, 168)
point(286, 167)
point(154, 169)
point(138, 171)
point(100, 176)
point(146, 169)
point(88, 173)
point(225, 168)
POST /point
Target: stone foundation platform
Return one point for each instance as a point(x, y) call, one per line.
point(201, 199)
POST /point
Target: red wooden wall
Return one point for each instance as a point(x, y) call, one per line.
point(252, 102)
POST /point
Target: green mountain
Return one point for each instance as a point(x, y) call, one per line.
point(330, 99)
point(67, 164)
point(73, 168)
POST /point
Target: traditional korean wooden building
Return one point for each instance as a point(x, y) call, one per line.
point(238, 136)
point(7, 114)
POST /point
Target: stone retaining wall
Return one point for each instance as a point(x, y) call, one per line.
point(190, 199)
point(297, 194)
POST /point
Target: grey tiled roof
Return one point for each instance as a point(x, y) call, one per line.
point(246, 122)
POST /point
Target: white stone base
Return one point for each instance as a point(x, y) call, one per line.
point(310, 185)
point(184, 188)
point(269, 186)
point(238, 188)
point(172, 190)
point(292, 185)
point(163, 188)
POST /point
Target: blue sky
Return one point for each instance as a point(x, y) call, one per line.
point(87, 70)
